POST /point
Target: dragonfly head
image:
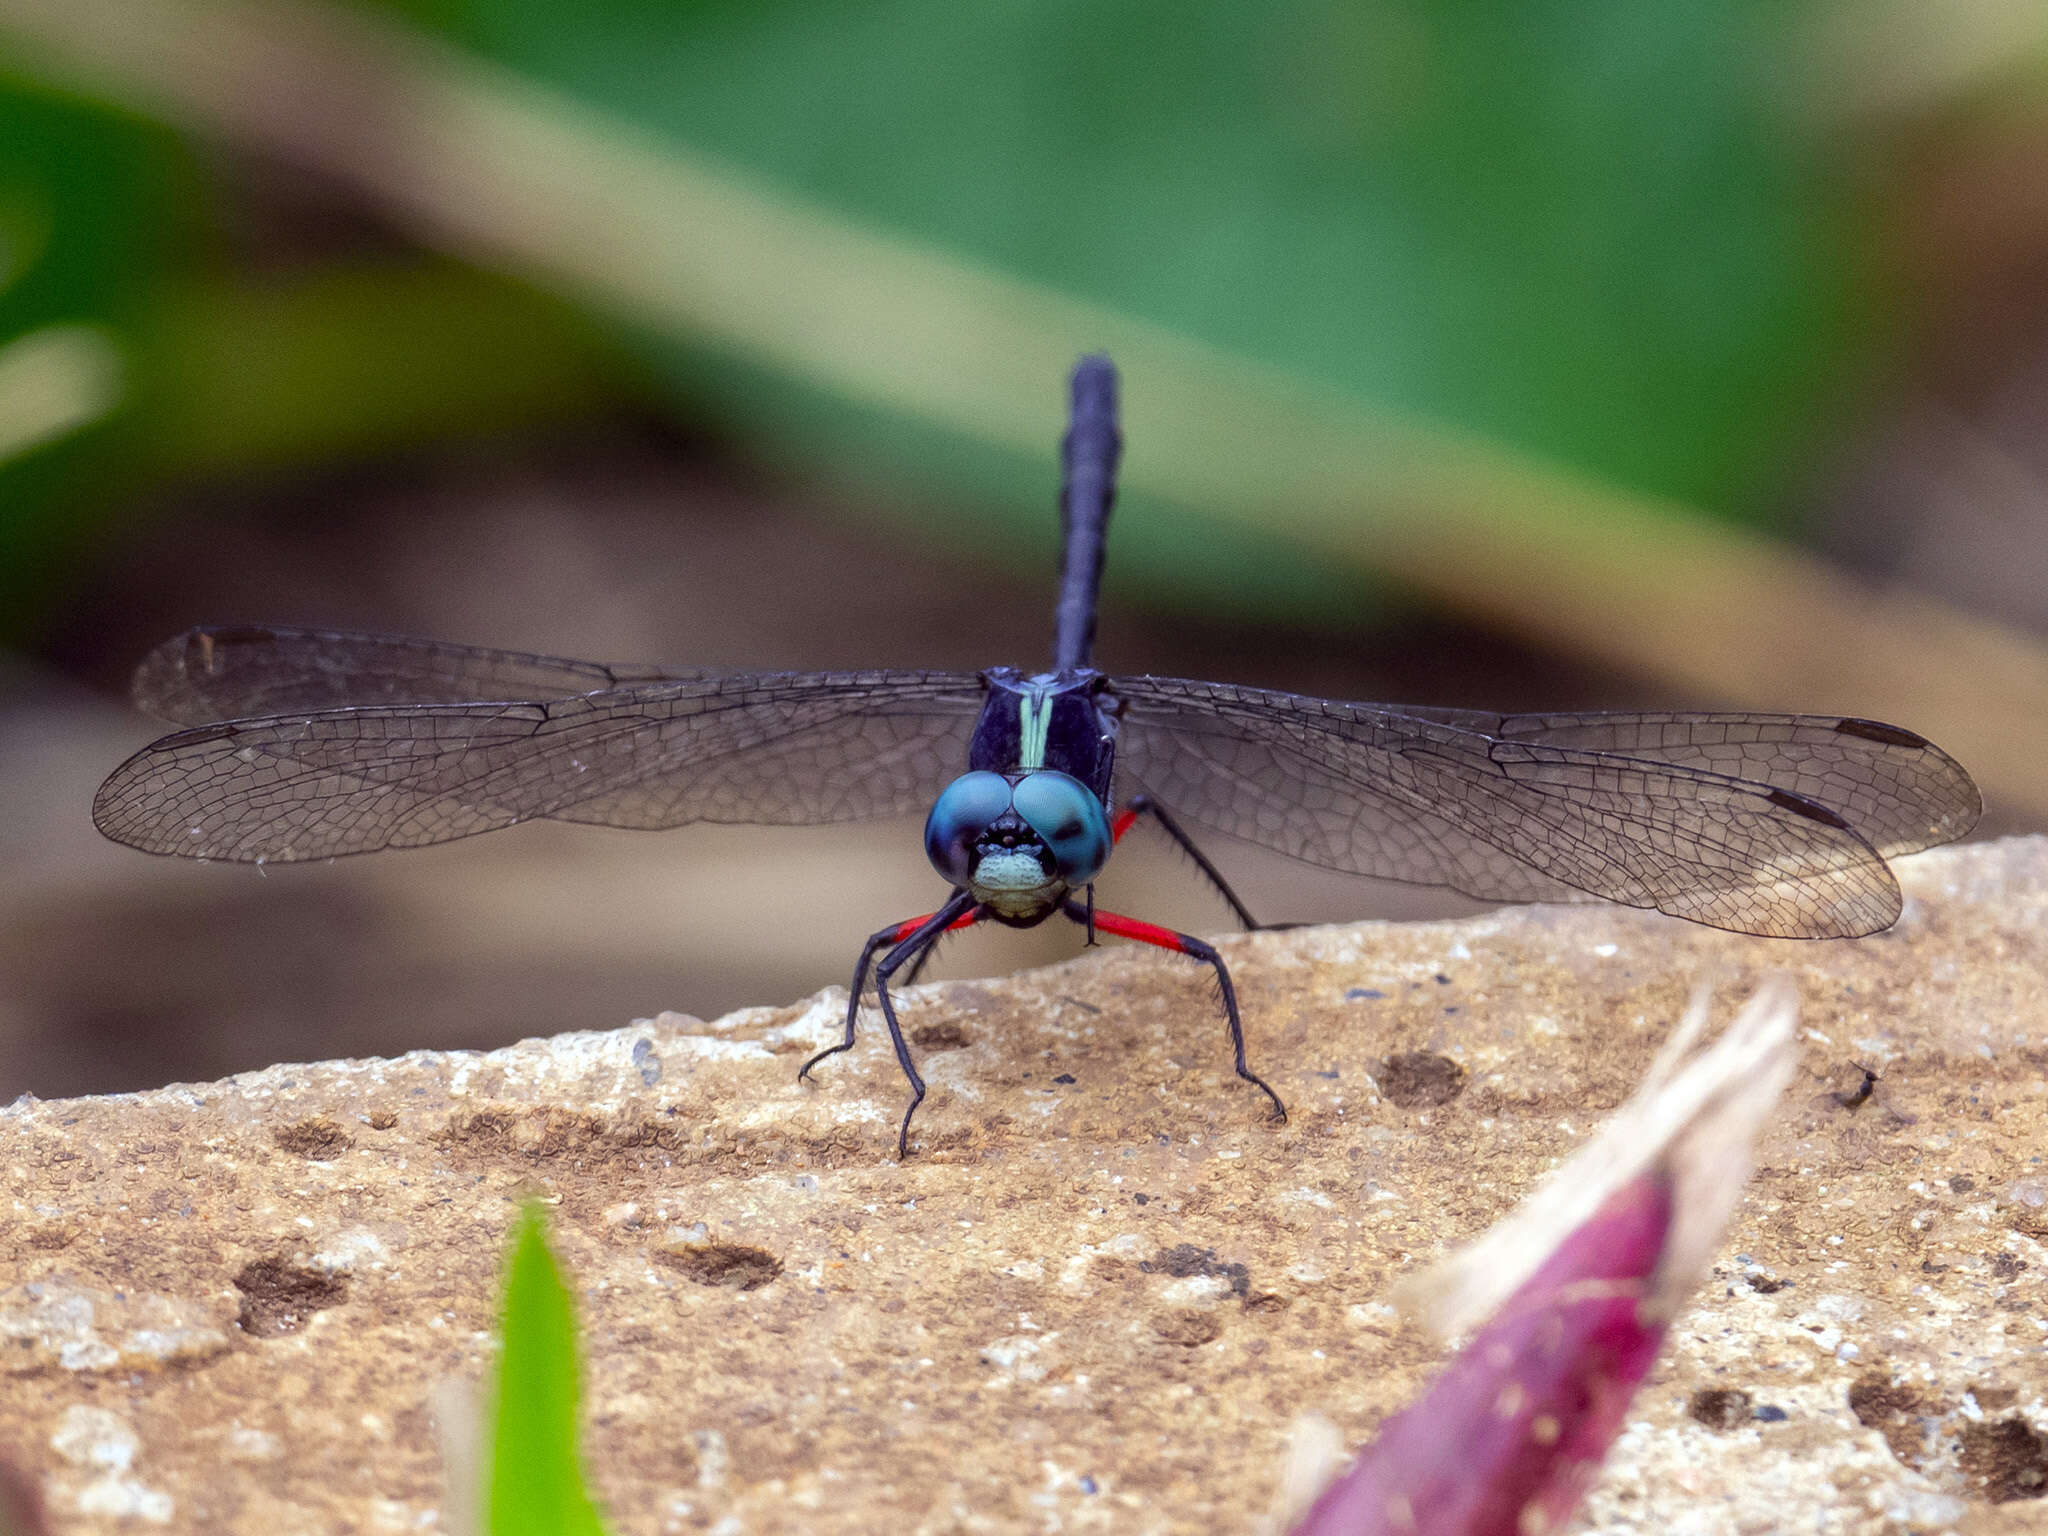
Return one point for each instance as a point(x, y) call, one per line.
point(1017, 842)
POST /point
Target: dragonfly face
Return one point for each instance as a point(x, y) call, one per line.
point(1018, 842)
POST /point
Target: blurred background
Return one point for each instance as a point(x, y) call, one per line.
point(1549, 353)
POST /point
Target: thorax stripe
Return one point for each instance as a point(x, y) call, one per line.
point(1034, 723)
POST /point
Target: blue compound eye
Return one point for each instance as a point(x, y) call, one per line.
point(1069, 819)
point(959, 816)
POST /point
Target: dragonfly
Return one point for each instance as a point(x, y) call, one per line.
point(306, 744)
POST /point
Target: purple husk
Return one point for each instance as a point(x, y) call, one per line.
point(1508, 1438)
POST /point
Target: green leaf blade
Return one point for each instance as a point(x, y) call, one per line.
point(536, 1476)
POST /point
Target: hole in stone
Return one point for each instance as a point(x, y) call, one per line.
point(1189, 1329)
point(1719, 1407)
point(1420, 1079)
point(1900, 1414)
point(278, 1298)
point(318, 1138)
point(940, 1037)
point(733, 1265)
point(1876, 1399)
point(2004, 1460)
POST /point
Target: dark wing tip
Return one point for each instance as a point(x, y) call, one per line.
point(1878, 731)
point(198, 736)
point(1952, 801)
point(1812, 810)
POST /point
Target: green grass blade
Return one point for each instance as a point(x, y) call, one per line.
point(536, 1477)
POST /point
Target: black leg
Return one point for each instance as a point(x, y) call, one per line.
point(885, 938)
point(1194, 949)
point(1145, 805)
point(905, 943)
point(916, 945)
point(880, 940)
point(917, 966)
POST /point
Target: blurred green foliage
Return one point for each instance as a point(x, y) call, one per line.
point(1586, 227)
point(1590, 229)
point(536, 1471)
point(111, 242)
point(93, 206)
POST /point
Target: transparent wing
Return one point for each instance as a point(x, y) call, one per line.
point(235, 673)
point(1897, 789)
point(1764, 824)
point(783, 748)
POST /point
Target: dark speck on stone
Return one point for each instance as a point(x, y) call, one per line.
point(1363, 994)
point(1185, 1259)
point(1064, 1077)
point(1770, 1415)
point(1452, 1009)
point(1088, 1485)
point(1330, 1074)
point(648, 1063)
point(1142, 1199)
point(1442, 980)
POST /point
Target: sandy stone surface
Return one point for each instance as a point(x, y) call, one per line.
point(1103, 1286)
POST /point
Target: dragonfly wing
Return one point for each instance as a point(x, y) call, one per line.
point(1896, 788)
point(244, 672)
point(867, 746)
point(1438, 797)
point(783, 748)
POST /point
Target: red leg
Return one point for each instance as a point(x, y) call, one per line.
point(1182, 944)
point(910, 925)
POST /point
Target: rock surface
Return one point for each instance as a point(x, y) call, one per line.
point(1104, 1285)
